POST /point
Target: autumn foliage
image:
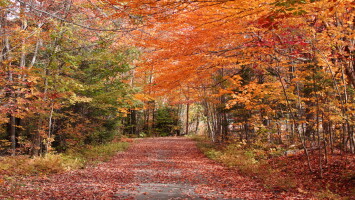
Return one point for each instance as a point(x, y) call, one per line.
point(277, 72)
point(266, 74)
point(63, 78)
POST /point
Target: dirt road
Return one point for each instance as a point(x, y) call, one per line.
point(153, 168)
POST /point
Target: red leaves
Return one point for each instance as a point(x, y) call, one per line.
point(151, 168)
point(267, 22)
point(54, 95)
point(336, 173)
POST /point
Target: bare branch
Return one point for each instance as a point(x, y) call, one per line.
point(74, 23)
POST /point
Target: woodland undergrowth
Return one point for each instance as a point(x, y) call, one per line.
point(279, 172)
point(75, 158)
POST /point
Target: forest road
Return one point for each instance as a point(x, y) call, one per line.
point(152, 168)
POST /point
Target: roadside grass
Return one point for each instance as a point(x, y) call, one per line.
point(249, 162)
point(56, 163)
point(269, 167)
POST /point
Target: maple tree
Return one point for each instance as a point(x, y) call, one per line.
point(263, 71)
point(274, 72)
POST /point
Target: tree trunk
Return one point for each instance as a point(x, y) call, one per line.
point(197, 124)
point(187, 119)
point(13, 134)
point(133, 124)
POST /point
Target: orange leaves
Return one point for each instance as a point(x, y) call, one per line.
point(142, 97)
point(193, 45)
point(123, 111)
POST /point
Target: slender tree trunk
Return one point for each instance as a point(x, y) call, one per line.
point(351, 138)
point(35, 54)
point(49, 139)
point(303, 140)
point(7, 56)
point(13, 134)
point(134, 122)
point(331, 140)
point(153, 118)
point(197, 123)
point(187, 118)
point(319, 140)
point(210, 131)
point(344, 133)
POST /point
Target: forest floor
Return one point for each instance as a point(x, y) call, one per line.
point(278, 171)
point(152, 168)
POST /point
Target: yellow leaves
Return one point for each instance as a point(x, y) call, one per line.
point(224, 91)
point(235, 80)
point(336, 118)
point(123, 111)
point(79, 99)
point(143, 97)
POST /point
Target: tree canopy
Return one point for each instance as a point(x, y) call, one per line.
point(261, 72)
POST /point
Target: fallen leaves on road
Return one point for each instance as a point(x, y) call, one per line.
point(154, 168)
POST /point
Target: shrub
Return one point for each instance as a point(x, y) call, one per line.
point(327, 194)
point(54, 163)
point(249, 161)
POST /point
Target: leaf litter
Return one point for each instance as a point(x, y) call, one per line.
point(152, 168)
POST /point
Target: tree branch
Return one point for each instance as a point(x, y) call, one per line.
point(74, 23)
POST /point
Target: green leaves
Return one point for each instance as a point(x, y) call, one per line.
point(4, 3)
point(290, 6)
